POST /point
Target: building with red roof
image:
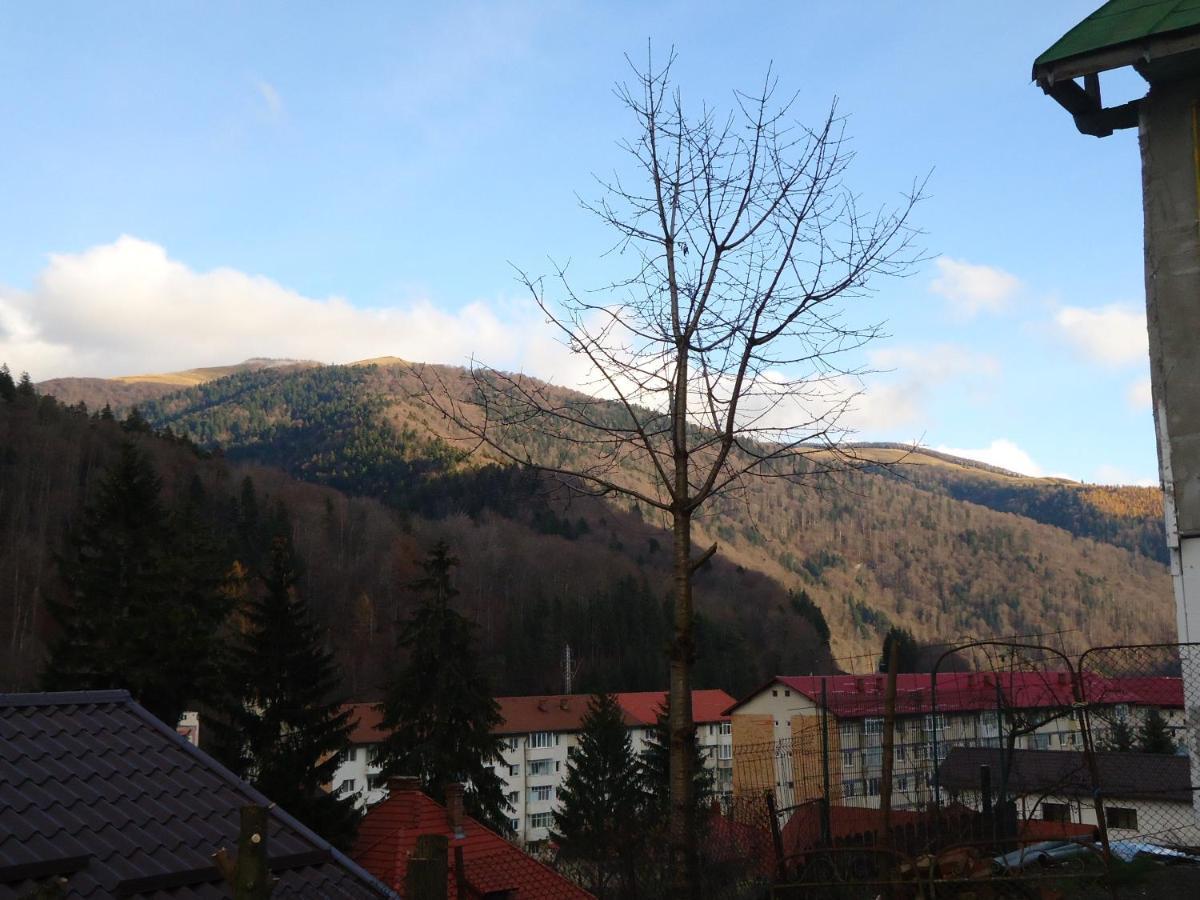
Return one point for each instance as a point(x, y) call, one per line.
point(782, 742)
point(489, 866)
point(541, 732)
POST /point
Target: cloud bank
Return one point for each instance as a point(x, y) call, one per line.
point(971, 288)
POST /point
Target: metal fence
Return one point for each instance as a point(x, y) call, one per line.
point(1011, 765)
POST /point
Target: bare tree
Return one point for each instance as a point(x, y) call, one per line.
point(720, 352)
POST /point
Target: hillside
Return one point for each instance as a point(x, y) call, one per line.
point(603, 596)
point(945, 547)
point(125, 391)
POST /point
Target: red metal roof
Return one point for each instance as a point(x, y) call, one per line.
point(850, 696)
point(388, 836)
point(558, 712)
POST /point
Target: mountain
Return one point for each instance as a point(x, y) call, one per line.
point(948, 548)
point(125, 391)
point(603, 595)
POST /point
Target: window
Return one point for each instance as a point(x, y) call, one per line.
point(350, 754)
point(901, 753)
point(874, 757)
point(514, 743)
point(849, 759)
point(571, 751)
point(902, 782)
point(848, 733)
point(541, 794)
point(541, 820)
point(511, 798)
point(774, 693)
point(989, 725)
point(1039, 741)
point(376, 782)
point(787, 693)
point(724, 751)
point(920, 752)
point(712, 729)
point(541, 739)
point(872, 787)
point(1121, 817)
point(1056, 812)
point(939, 720)
point(514, 825)
point(726, 728)
point(1121, 712)
point(514, 771)
point(541, 766)
point(873, 725)
point(849, 787)
point(346, 787)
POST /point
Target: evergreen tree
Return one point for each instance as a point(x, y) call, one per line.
point(106, 414)
point(26, 392)
point(290, 722)
point(1120, 737)
point(908, 651)
point(8, 388)
point(136, 423)
point(1154, 736)
point(601, 803)
point(656, 778)
point(438, 708)
point(144, 608)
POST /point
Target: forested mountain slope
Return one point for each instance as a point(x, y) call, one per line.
point(604, 593)
point(947, 548)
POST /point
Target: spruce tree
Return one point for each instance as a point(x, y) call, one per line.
point(144, 604)
point(290, 722)
point(438, 708)
point(1153, 735)
point(26, 392)
point(908, 651)
point(8, 387)
point(599, 821)
point(1120, 737)
point(655, 759)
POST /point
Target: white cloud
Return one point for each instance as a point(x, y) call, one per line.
point(126, 308)
point(1138, 395)
point(270, 96)
point(972, 288)
point(1113, 335)
point(1000, 452)
point(1109, 474)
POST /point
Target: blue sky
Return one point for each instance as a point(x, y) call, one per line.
point(191, 184)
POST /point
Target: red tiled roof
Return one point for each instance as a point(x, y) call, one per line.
point(558, 712)
point(365, 719)
point(851, 696)
point(643, 707)
point(388, 836)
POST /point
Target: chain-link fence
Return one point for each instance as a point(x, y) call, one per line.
point(1010, 765)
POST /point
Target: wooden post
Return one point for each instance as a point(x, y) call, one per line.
point(426, 878)
point(249, 874)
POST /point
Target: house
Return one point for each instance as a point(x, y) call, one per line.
point(540, 734)
point(781, 740)
point(490, 866)
point(1145, 795)
point(96, 791)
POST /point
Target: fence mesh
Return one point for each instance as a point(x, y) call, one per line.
point(1011, 765)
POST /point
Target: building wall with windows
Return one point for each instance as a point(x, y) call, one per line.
point(540, 735)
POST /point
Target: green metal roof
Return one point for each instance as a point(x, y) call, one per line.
point(1120, 22)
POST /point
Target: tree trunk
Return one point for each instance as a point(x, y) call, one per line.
point(684, 881)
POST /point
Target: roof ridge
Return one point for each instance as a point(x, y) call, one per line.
point(64, 698)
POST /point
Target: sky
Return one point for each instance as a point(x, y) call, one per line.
point(192, 184)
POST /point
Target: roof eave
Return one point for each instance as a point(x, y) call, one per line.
point(1117, 56)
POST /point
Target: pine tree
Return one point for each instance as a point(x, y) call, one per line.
point(439, 708)
point(291, 724)
point(26, 392)
point(1120, 737)
point(8, 388)
point(1153, 735)
point(598, 825)
point(145, 604)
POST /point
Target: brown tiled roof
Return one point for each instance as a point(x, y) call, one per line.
point(95, 789)
point(1065, 773)
point(558, 712)
point(388, 836)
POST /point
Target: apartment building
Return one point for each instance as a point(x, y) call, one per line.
point(781, 740)
point(540, 735)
